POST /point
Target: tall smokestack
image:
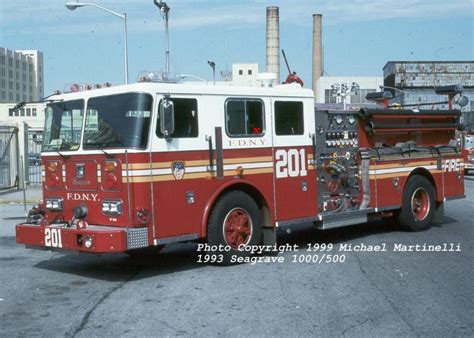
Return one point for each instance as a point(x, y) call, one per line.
point(273, 41)
point(317, 49)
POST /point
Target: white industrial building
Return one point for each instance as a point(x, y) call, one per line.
point(21, 75)
point(329, 88)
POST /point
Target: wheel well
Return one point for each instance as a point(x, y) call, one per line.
point(424, 172)
point(256, 196)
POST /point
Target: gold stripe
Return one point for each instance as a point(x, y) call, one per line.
point(194, 163)
point(400, 174)
point(248, 160)
point(190, 176)
point(398, 165)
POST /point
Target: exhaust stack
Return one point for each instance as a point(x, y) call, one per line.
point(273, 42)
point(317, 49)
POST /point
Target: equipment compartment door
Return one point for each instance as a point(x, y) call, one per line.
point(294, 176)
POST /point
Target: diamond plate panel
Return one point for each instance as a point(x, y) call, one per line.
point(137, 238)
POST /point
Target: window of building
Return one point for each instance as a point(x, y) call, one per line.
point(17, 75)
point(17, 86)
point(31, 68)
point(241, 72)
point(22, 112)
point(10, 96)
point(185, 119)
point(24, 77)
point(10, 111)
point(2, 59)
point(10, 62)
point(244, 117)
point(24, 66)
point(28, 111)
point(4, 96)
point(33, 111)
point(3, 71)
point(10, 73)
point(289, 118)
point(250, 72)
point(31, 98)
point(24, 98)
point(17, 63)
point(3, 83)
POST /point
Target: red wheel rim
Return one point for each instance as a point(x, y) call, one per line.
point(420, 204)
point(237, 228)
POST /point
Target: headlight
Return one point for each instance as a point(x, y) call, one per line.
point(112, 207)
point(54, 204)
point(87, 241)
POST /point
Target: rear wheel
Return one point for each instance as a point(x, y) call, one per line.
point(418, 204)
point(235, 222)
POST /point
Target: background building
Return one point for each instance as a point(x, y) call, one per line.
point(328, 88)
point(20, 144)
point(417, 80)
point(21, 75)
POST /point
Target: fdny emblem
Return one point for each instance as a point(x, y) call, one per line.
point(178, 169)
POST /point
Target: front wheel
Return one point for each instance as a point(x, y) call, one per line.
point(235, 222)
point(418, 204)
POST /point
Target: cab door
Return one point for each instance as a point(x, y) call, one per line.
point(294, 176)
point(178, 170)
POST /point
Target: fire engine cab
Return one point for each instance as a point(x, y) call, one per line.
point(147, 164)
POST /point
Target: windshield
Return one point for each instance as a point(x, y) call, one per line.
point(118, 121)
point(63, 124)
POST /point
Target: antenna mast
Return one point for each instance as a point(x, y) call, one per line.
point(164, 8)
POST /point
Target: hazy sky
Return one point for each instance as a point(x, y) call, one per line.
point(359, 36)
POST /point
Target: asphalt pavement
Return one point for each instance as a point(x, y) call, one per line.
point(384, 293)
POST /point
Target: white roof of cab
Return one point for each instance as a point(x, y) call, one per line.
point(286, 90)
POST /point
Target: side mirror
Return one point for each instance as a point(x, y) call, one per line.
point(166, 112)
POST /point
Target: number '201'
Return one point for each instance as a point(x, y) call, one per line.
point(290, 163)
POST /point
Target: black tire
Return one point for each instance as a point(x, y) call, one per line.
point(238, 205)
point(418, 204)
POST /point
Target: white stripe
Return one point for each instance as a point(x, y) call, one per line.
point(199, 169)
point(99, 173)
point(399, 170)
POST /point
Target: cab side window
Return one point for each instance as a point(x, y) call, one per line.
point(289, 118)
point(185, 119)
point(244, 118)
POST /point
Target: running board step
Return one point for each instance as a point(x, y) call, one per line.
point(329, 221)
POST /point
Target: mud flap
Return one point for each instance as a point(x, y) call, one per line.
point(270, 238)
point(439, 213)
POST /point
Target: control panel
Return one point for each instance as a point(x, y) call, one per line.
point(337, 143)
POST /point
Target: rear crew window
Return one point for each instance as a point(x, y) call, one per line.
point(185, 119)
point(244, 117)
point(289, 118)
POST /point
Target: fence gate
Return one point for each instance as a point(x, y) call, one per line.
point(34, 139)
point(9, 162)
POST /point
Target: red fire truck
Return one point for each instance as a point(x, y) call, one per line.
point(147, 164)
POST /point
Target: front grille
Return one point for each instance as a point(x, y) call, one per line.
point(137, 238)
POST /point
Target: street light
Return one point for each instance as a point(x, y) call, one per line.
point(73, 5)
point(213, 66)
